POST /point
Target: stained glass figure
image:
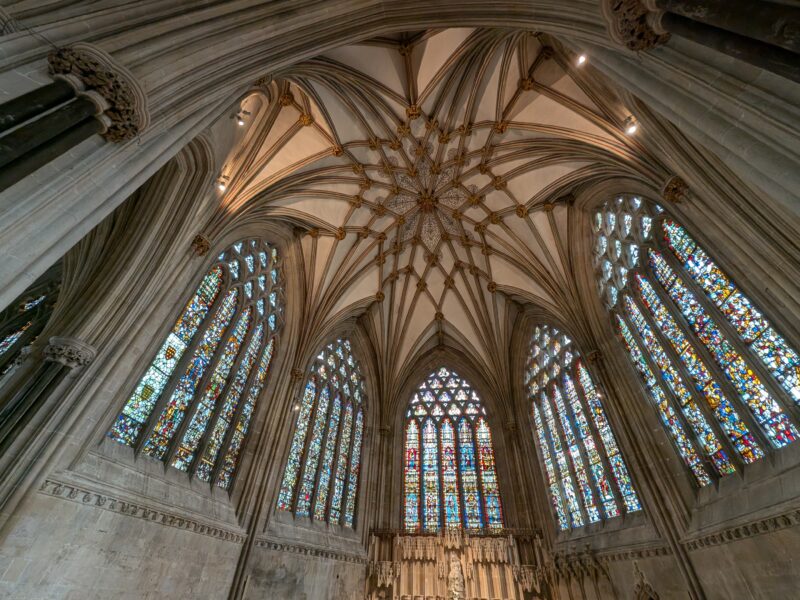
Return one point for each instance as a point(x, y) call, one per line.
point(321, 477)
point(187, 408)
point(587, 477)
point(450, 479)
point(714, 352)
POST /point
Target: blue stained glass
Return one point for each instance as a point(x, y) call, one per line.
point(452, 513)
point(552, 478)
point(326, 467)
point(295, 453)
point(355, 468)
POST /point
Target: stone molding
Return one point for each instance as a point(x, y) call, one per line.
point(201, 245)
point(630, 24)
point(98, 72)
point(746, 530)
point(80, 495)
point(675, 190)
point(311, 551)
point(7, 23)
point(69, 352)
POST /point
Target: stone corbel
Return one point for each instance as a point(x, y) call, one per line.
point(634, 24)
point(69, 352)
point(95, 73)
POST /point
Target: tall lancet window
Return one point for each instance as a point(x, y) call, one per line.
point(450, 480)
point(722, 379)
point(322, 472)
point(586, 474)
point(192, 407)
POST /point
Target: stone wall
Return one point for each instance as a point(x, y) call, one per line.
point(59, 547)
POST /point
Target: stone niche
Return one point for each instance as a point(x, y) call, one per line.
point(453, 565)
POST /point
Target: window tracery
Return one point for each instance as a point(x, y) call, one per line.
point(587, 477)
point(321, 477)
point(450, 479)
point(724, 381)
point(193, 405)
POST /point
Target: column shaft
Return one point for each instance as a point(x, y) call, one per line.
point(25, 107)
point(766, 56)
point(776, 24)
point(52, 149)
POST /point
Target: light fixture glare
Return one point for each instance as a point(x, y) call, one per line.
point(581, 59)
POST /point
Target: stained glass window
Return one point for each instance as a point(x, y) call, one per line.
point(192, 407)
point(321, 477)
point(586, 475)
point(25, 318)
point(450, 479)
point(721, 377)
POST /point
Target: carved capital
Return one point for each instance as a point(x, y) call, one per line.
point(594, 356)
point(297, 374)
point(675, 190)
point(69, 352)
point(200, 245)
point(629, 24)
point(126, 111)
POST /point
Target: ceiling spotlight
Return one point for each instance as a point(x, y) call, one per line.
point(296, 407)
point(239, 117)
point(240, 121)
point(581, 59)
point(222, 183)
point(630, 125)
point(221, 186)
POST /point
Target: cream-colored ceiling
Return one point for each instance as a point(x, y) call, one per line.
point(429, 167)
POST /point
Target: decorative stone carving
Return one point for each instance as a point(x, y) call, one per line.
point(675, 190)
point(98, 72)
point(527, 576)
point(200, 245)
point(69, 352)
point(642, 590)
point(456, 590)
point(630, 25)
point(86, 496)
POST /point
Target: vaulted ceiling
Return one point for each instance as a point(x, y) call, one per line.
point(432, 171)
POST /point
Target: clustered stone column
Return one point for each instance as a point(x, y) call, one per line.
point(91, 94)
point(763, 33)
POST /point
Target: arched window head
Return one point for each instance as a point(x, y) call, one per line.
point(322, 472)
point(723, 380)
point(587, 477)
point(23, 321)
point(450, 480)
point(192, 407)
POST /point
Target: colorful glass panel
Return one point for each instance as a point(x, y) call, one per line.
point(765, 409)
point(473, 506)
point(411, 470)
point(491, 491)
point(326, 467)
point(355, 468)
point(242, 424)
point(137, 409)
point(292, 471)
point(430, 476)
point(452, 512)
point(173, 413)
point(313, 452)
point(754, 329)
point(550, 471)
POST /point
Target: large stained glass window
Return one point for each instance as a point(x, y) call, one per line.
point(192, 407)
point(450, 479)
point(587, 477)
point(321, 478)
point(721, 377)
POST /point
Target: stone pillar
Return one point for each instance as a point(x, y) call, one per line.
point(769, 40)
point(92, 94)
point(32, 416)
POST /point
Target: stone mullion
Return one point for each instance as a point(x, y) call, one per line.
point(307, 443)
point(676, 407)
point(204, 439)
point(744, 412)
point(721, 321)
point(565, 450)
point(199, 390)
point(237, 413)
point(180, 368)
point(598, 442)
point(689, 383)
point(336, 455)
